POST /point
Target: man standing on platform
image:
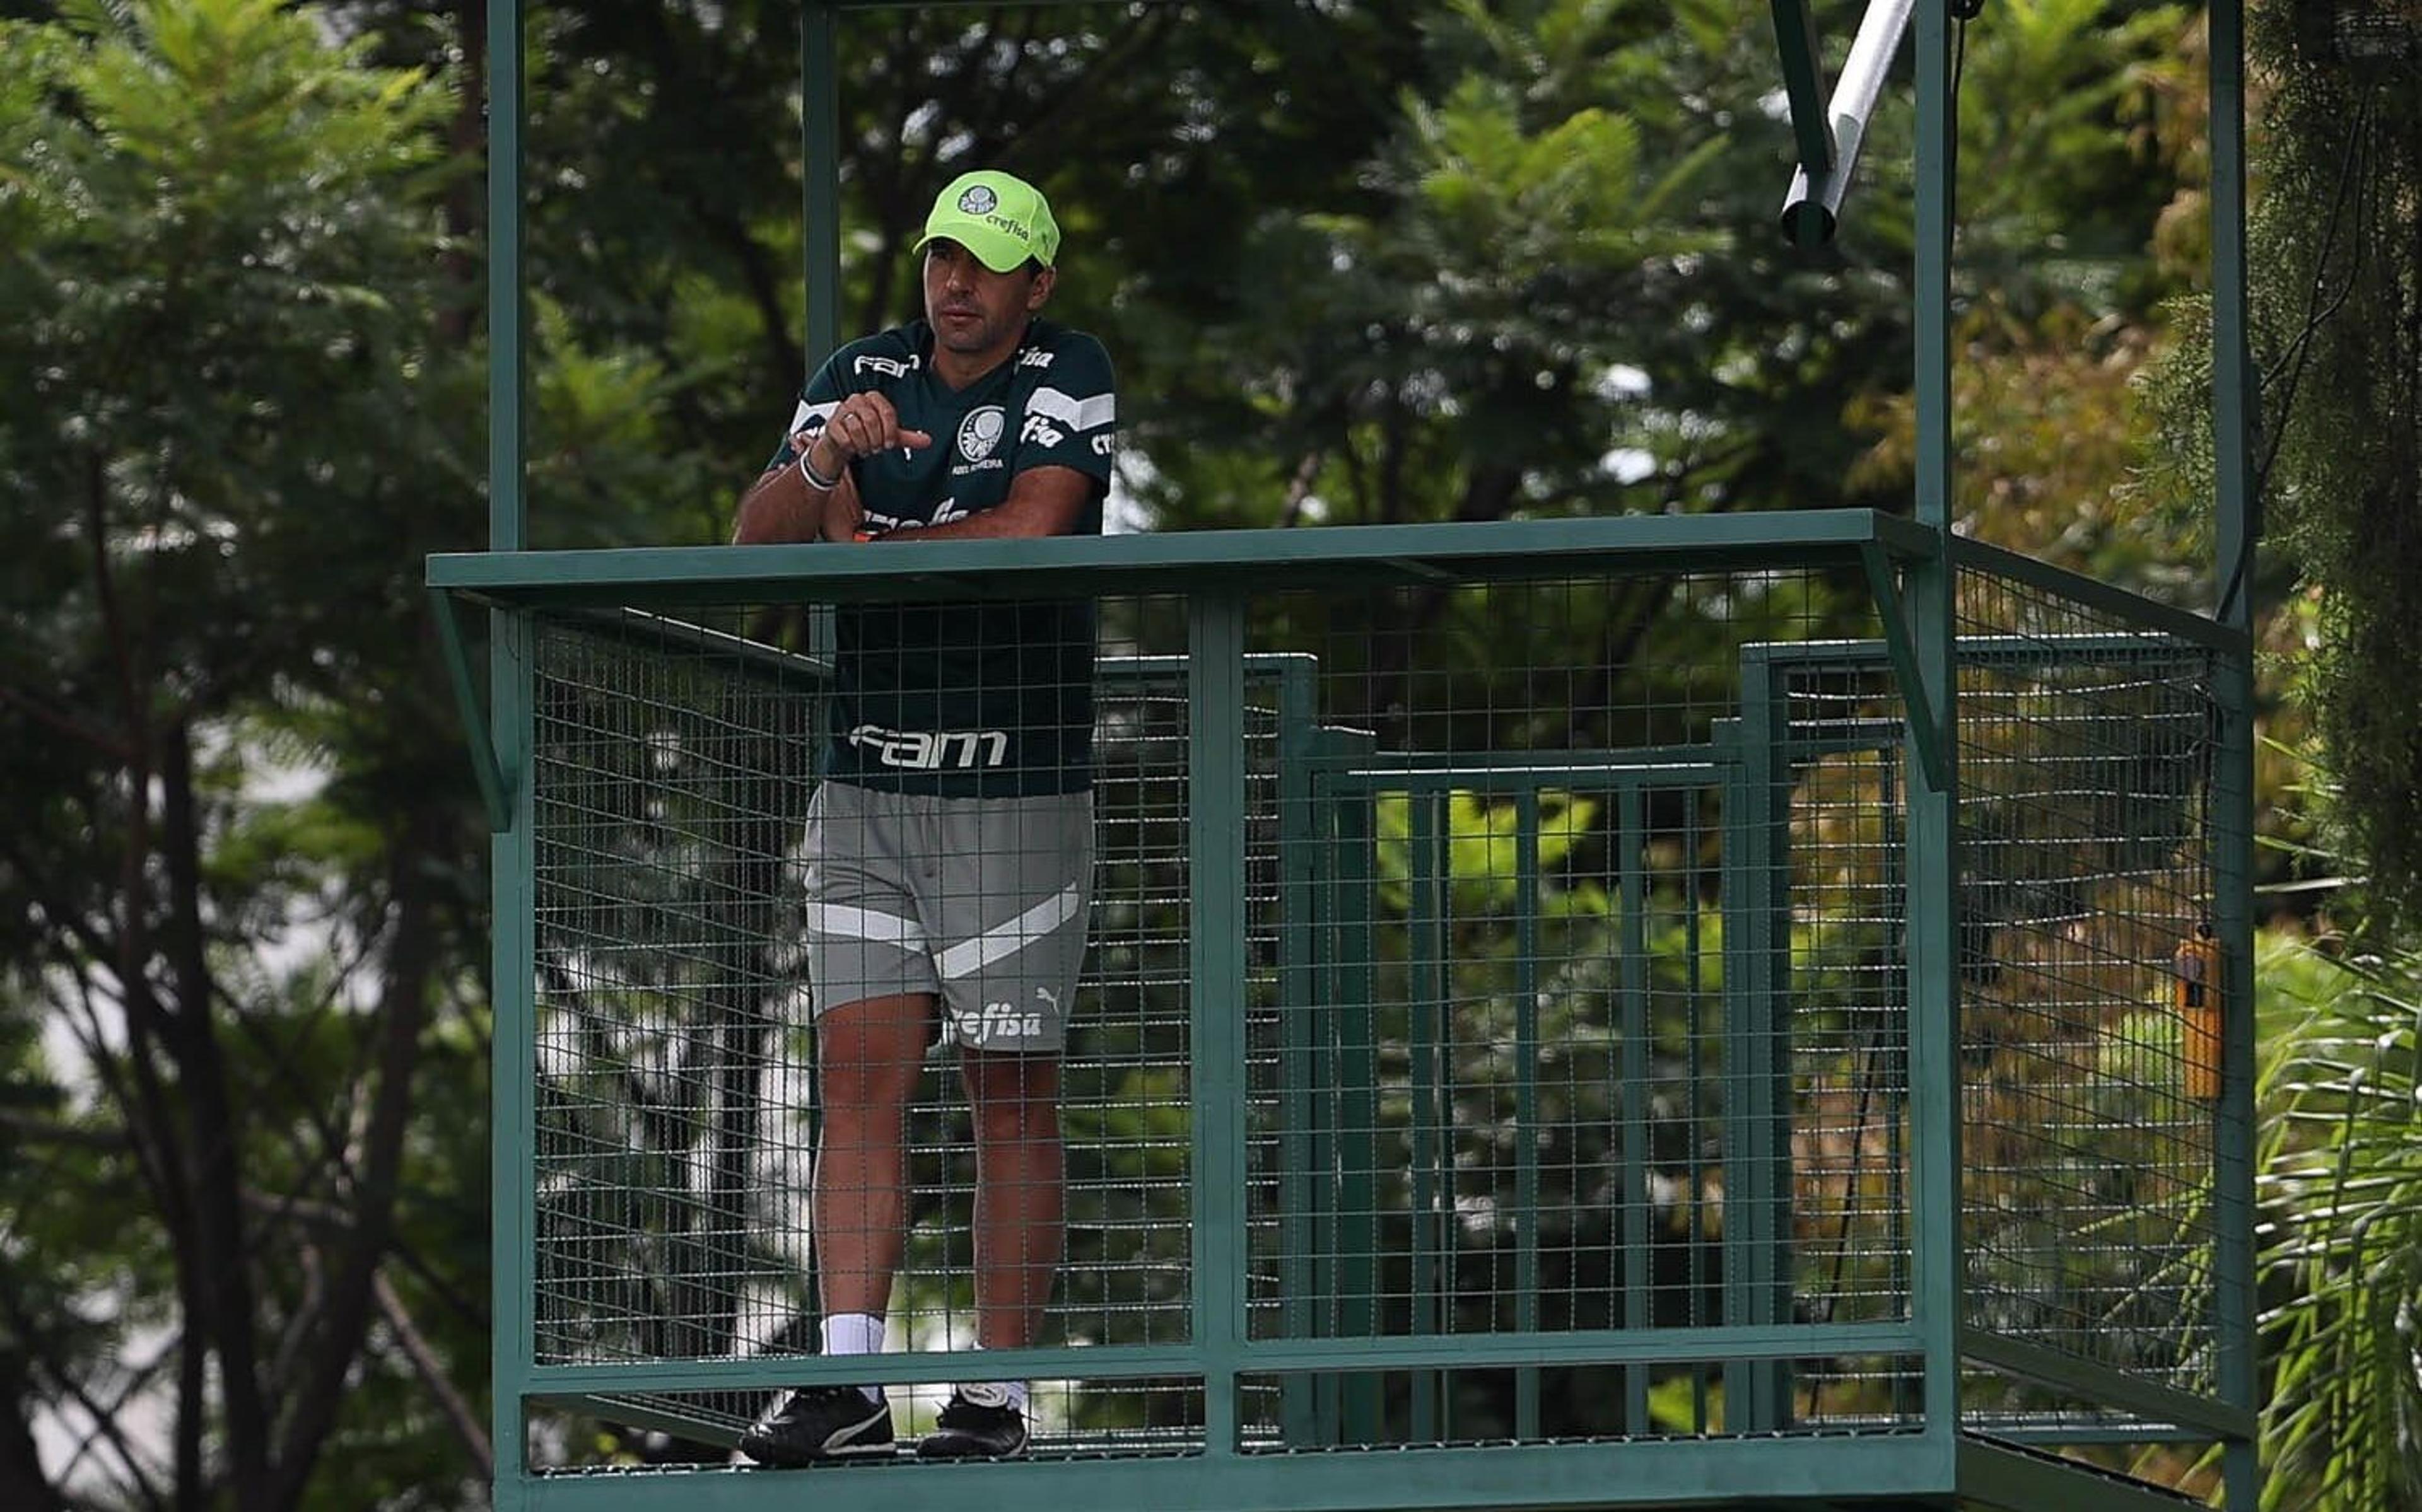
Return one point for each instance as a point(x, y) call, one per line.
point(949, 847)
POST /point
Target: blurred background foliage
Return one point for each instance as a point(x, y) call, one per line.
point(1359, 261)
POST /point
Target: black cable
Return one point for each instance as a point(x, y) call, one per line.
point(2299, 346)
point(2298, 351)
point(1962, 12)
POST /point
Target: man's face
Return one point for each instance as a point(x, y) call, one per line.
point(974, 311)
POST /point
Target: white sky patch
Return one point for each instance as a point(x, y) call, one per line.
point(1629, 464)
point(1621, 381)
point(1122, 513)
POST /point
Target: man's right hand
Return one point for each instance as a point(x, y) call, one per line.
point(863, 425)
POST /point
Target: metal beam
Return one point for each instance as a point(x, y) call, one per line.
point(2103, 1385)
point(1690, 1473)
point(820, 132)
point(507, 381)
point(494, 796)
point(1933, 836)
point(1263, 559)
point(1803, 85)
point(1927, 734)
point(2237, 528)
point(2012, 1479)
point(1811, 208)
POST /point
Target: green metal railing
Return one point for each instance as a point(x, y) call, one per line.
point(1499, 1060)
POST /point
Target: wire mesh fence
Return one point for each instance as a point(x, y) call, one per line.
point(1575, 1005)
point(2088, 988)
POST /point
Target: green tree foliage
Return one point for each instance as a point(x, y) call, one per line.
point(2342, 1268)
point(1360, 260)
point(234, 873)
point(2339, 309)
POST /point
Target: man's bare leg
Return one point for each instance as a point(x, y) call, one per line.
point(868, 1054)
point(1015, 1100)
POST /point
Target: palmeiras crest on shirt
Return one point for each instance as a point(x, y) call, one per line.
point(978, 200)
point(980, 431)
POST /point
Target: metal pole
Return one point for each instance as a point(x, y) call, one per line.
point(1214, 775)
point(1930, 598)
point(2236, 527)
point(1803, 82)
point(506, 372)
point(1813, 207)
point(510, 1173)
point(820, 131)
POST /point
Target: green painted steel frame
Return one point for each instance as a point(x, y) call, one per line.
point(1878, 1470)
point(1263, 560)
point(1926, 1467)
point(1333, 1389)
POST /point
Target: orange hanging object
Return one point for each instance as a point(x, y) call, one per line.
point(2196, 994)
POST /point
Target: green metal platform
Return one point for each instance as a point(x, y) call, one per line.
point(1468, 1109)
point(1725, 1063)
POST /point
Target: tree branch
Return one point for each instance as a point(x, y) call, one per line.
point(223, 1257)
point(403, 1005)
point(426, 1364)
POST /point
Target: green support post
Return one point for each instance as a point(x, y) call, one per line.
point(1426, 1027)
point(1757, 1225)
point(1929, 591)
point(1527, 884)
point(820, 131)
point(1632, 889)
point(1305, 1269)
point(2236, 529)
point(1214, 775)
point(1803, 85)
point(1353, 906)
point(1694, 1079)
point(1895, 1072)
point(820, 210)
point(508, 374)
point(511, 1240)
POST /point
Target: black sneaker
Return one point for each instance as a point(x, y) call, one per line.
point(978, 1423)
point(817, 1422)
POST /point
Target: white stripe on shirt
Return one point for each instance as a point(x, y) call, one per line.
point(1076, 413)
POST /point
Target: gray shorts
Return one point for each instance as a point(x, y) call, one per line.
point(979, 901)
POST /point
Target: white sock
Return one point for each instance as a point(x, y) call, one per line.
point(855, 1333)
point(1014, 1390)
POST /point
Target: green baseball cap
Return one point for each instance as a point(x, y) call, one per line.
point(1001, 219)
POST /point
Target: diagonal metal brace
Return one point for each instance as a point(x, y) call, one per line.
point(1803, 85)
point(1926, 729)
point(494, 795)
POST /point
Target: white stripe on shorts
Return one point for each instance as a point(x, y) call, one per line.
point(849, 922)
point(1003, 940)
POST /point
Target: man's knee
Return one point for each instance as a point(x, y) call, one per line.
point(1012, 1097)
point(868, 1053)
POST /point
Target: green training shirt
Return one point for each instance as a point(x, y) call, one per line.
point(984, 699)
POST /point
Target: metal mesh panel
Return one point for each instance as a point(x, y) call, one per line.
point(1576, 1013)
point(2086, 749)
point(1840, 725)
point(671, 1142)
point(1521, 1080)
point(676, 1104)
